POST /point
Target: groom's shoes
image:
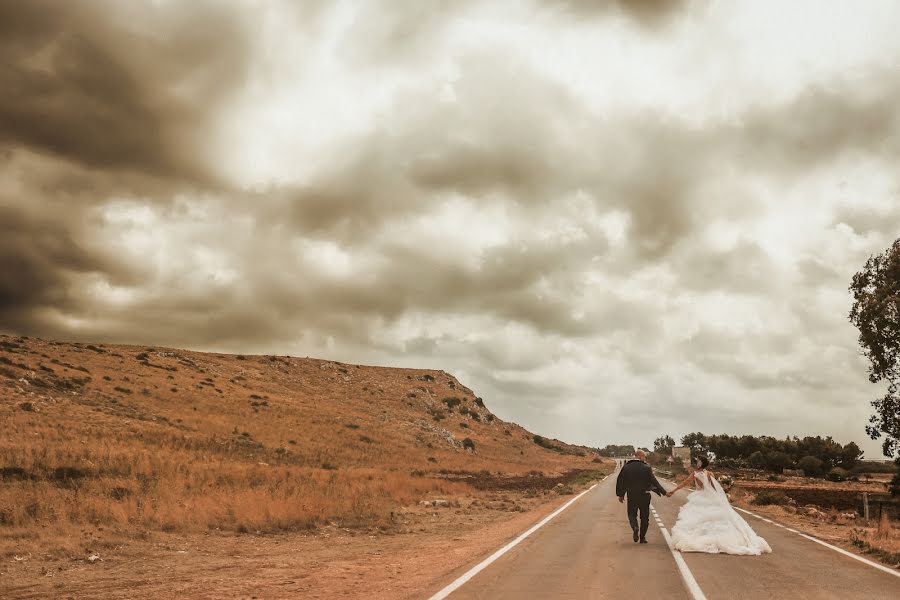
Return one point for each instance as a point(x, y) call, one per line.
point(643, 541)
point(634, 534)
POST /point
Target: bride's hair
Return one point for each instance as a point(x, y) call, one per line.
point(702, 461)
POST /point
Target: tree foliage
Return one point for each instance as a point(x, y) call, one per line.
point(766, 452)
point(616, 450)
point(663, 444)
point(876, 314)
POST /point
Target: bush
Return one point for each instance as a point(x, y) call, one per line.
point(768, 497)
point(757, 460)
point(468, 444)
point(451, 402)
point(545, 443)
point(811, 465)
point(837, 474)
point(778, 461)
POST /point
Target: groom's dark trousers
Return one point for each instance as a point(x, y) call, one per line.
point(639, 502)
point(636, 480)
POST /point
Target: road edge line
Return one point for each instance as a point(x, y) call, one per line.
point(686, 576)
point(861, 559)
point(465, 577)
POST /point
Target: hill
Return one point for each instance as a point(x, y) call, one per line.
point(175, 440)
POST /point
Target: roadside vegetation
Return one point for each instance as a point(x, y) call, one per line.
point(140, 439)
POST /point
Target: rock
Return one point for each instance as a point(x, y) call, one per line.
point(94, 558)
point(441, 503)
point(425, 503)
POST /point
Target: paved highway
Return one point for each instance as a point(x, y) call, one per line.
point(586, 552)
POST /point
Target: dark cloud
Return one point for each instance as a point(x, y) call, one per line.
point(112, 86)
point(648, 13)
point(823, 122)
point(743, 269)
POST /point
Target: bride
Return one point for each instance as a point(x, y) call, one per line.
point(708, 523)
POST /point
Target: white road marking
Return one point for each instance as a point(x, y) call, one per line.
point(688, 577)
point(827, 545)
point(459, 582)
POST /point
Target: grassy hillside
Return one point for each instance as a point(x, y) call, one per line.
point(175, 440)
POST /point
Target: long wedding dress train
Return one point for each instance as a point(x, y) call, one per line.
point(708, 523)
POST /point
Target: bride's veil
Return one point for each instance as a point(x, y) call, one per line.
point(712, 487)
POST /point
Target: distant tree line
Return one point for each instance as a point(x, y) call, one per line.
point(814, 455)
point(613, 450)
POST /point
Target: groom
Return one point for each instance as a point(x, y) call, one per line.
point(637, 481)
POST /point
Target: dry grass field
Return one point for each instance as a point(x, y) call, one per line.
point(827, 510)
point(124, 440)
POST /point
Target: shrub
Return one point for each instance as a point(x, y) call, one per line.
point(778, 461)
point(837, 474)
point(757, 460)
point(452, 402)
point(479, 402)
point(545, 443)
point(768, 497)
point(811, 465)
point(468, 444)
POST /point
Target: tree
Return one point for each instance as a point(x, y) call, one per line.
point(697, 442)
point(757, 460)
point(778, 461)
point(876, 313)
point(811, 465)
point(664, 444)
point(850, 455)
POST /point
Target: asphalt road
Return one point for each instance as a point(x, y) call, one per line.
point(586, 552)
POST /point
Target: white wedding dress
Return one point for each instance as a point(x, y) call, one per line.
point(708, 523)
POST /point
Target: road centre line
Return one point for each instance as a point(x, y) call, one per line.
point(689, 582)
point(462, 579)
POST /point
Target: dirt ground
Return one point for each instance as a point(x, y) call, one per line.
point(843, 528)
point(426, 544)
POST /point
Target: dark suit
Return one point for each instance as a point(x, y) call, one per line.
point(636, 480)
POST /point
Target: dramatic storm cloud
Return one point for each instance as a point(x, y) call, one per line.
point(613, 220)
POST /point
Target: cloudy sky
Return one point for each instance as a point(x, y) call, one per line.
point(611, 219)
